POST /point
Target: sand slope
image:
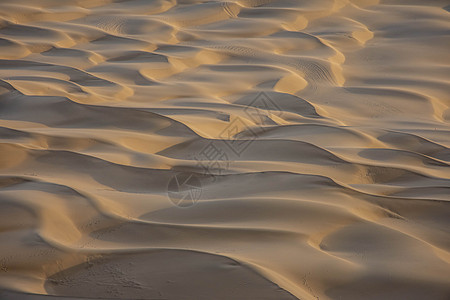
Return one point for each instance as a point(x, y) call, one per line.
point(314, 136)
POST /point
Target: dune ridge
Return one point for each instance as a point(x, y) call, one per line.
point(330, 125)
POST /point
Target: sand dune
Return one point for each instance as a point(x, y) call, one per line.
point(242, 149)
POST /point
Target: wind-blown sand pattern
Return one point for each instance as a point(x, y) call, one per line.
point(331, 118)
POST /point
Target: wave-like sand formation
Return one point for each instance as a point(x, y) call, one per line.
point(203, 149)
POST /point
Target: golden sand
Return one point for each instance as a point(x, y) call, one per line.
point(249, 149)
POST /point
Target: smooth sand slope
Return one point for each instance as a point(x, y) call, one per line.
point(203, 149)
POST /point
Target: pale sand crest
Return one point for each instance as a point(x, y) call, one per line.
point(338, 186)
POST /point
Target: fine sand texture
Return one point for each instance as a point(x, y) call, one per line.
point(211, 149)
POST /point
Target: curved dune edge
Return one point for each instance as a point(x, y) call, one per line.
point(162, 274)
point(330, 122)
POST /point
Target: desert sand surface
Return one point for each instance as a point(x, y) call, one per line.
point(209, 149)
